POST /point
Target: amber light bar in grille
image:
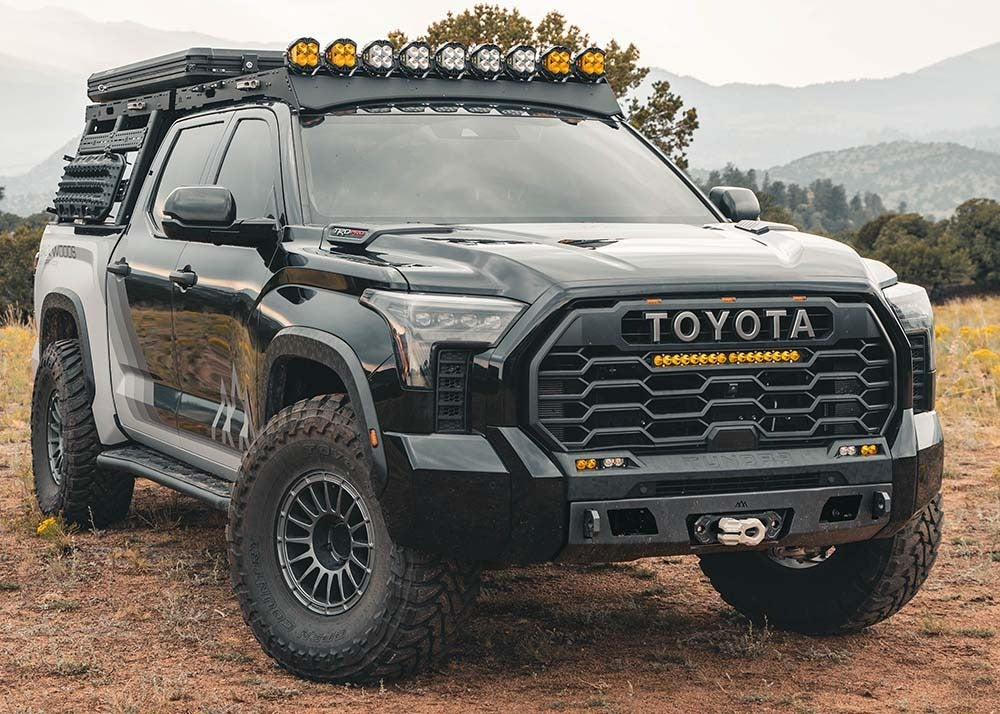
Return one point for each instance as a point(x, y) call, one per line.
point(689, 359)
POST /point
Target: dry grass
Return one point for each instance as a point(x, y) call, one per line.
point(141, 618)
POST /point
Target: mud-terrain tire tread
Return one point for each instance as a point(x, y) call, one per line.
point(885, 576)
point(89, 496)
point(430, 597)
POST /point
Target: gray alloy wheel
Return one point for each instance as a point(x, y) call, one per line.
point(54, 438)
point(325, 542)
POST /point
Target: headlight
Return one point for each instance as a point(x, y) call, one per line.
point(913, 308)
point(420, 321)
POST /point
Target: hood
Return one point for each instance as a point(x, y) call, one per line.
point(523, 261)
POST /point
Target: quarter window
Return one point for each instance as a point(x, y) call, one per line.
point(248, 170)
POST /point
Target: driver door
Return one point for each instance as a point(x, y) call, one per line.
point(140, 291)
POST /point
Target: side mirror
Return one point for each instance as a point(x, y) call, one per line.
point(207, 214)
point(736, 204)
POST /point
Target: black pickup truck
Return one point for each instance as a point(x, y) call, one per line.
point(403, 312)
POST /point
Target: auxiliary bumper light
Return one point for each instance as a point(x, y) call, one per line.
point(691, 359)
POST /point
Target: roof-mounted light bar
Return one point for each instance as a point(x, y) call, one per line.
point(451, 60)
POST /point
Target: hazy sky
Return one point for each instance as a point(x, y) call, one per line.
point(782, 41)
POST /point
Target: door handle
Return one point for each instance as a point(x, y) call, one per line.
point(121, 268)
point(184, 279)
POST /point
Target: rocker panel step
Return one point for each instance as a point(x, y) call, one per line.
point(146, 463)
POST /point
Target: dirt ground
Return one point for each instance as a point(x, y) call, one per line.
point(141, 618)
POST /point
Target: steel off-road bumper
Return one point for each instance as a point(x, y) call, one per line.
point(500, 497)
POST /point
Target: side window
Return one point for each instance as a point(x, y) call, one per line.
point(249, 169)
point(186, 162)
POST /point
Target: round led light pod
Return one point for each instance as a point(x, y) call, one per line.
point(486, 61)
point(377, 58)
point(588, 65)
point(520, 61)
point(451, 59)
point(341, 56)
point(555, 64)
point(415, 59)
point(302, 56)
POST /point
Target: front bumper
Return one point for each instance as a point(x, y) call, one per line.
point(500, 497)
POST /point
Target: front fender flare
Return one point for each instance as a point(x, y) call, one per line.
point(328, 349)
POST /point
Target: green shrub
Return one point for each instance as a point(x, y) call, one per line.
point(17, 256)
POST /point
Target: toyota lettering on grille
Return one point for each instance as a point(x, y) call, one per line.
point(686, 325)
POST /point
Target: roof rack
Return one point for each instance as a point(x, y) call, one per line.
point(137, 103)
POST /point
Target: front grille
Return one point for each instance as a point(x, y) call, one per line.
point(595, 396)
point(923, 389)
point(743, 484)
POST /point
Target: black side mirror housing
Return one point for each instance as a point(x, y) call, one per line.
point(736, 204)
point(207, 214)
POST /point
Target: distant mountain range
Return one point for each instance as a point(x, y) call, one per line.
point(930, 178)
point(766, 125)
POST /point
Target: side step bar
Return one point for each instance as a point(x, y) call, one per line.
point(146, 463)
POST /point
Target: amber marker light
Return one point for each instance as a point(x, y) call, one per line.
point(554, 64)
point(589, 64)
point(373, 438)
point(341, 56)
point(302, 55)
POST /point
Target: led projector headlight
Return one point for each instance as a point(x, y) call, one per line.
point(554, 64)
point(520, 62)
point(486, 61)
point(913, 308)
point(341, 56)
point(302, 56)
point(418, 321)
point(450, 59)
point(377, 58)
point(589, 64)
point(415, 59)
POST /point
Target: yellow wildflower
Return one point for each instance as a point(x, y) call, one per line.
point(941, 332)
point(46, 526)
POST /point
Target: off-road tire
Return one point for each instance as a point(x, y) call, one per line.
point(415, 603)
point(85, 495)
point(859, 585)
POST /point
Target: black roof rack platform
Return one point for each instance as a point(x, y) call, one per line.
point(179, 69)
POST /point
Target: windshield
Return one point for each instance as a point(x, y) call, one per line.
point(477, 168)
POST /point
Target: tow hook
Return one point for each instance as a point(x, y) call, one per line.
point(748, 530)
point(740, 531)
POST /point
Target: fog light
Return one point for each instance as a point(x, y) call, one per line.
point(377, 58)
point(341, 56)
point(485, 61)
point(302, 55)
point(848, 450)
point(520, 62)
point(589, 66)
point(415, 59)
point(449, 60)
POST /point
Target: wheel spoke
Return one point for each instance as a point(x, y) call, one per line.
point(302, 504)
point(354, 559)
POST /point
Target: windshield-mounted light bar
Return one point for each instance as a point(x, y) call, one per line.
point(450, 60)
